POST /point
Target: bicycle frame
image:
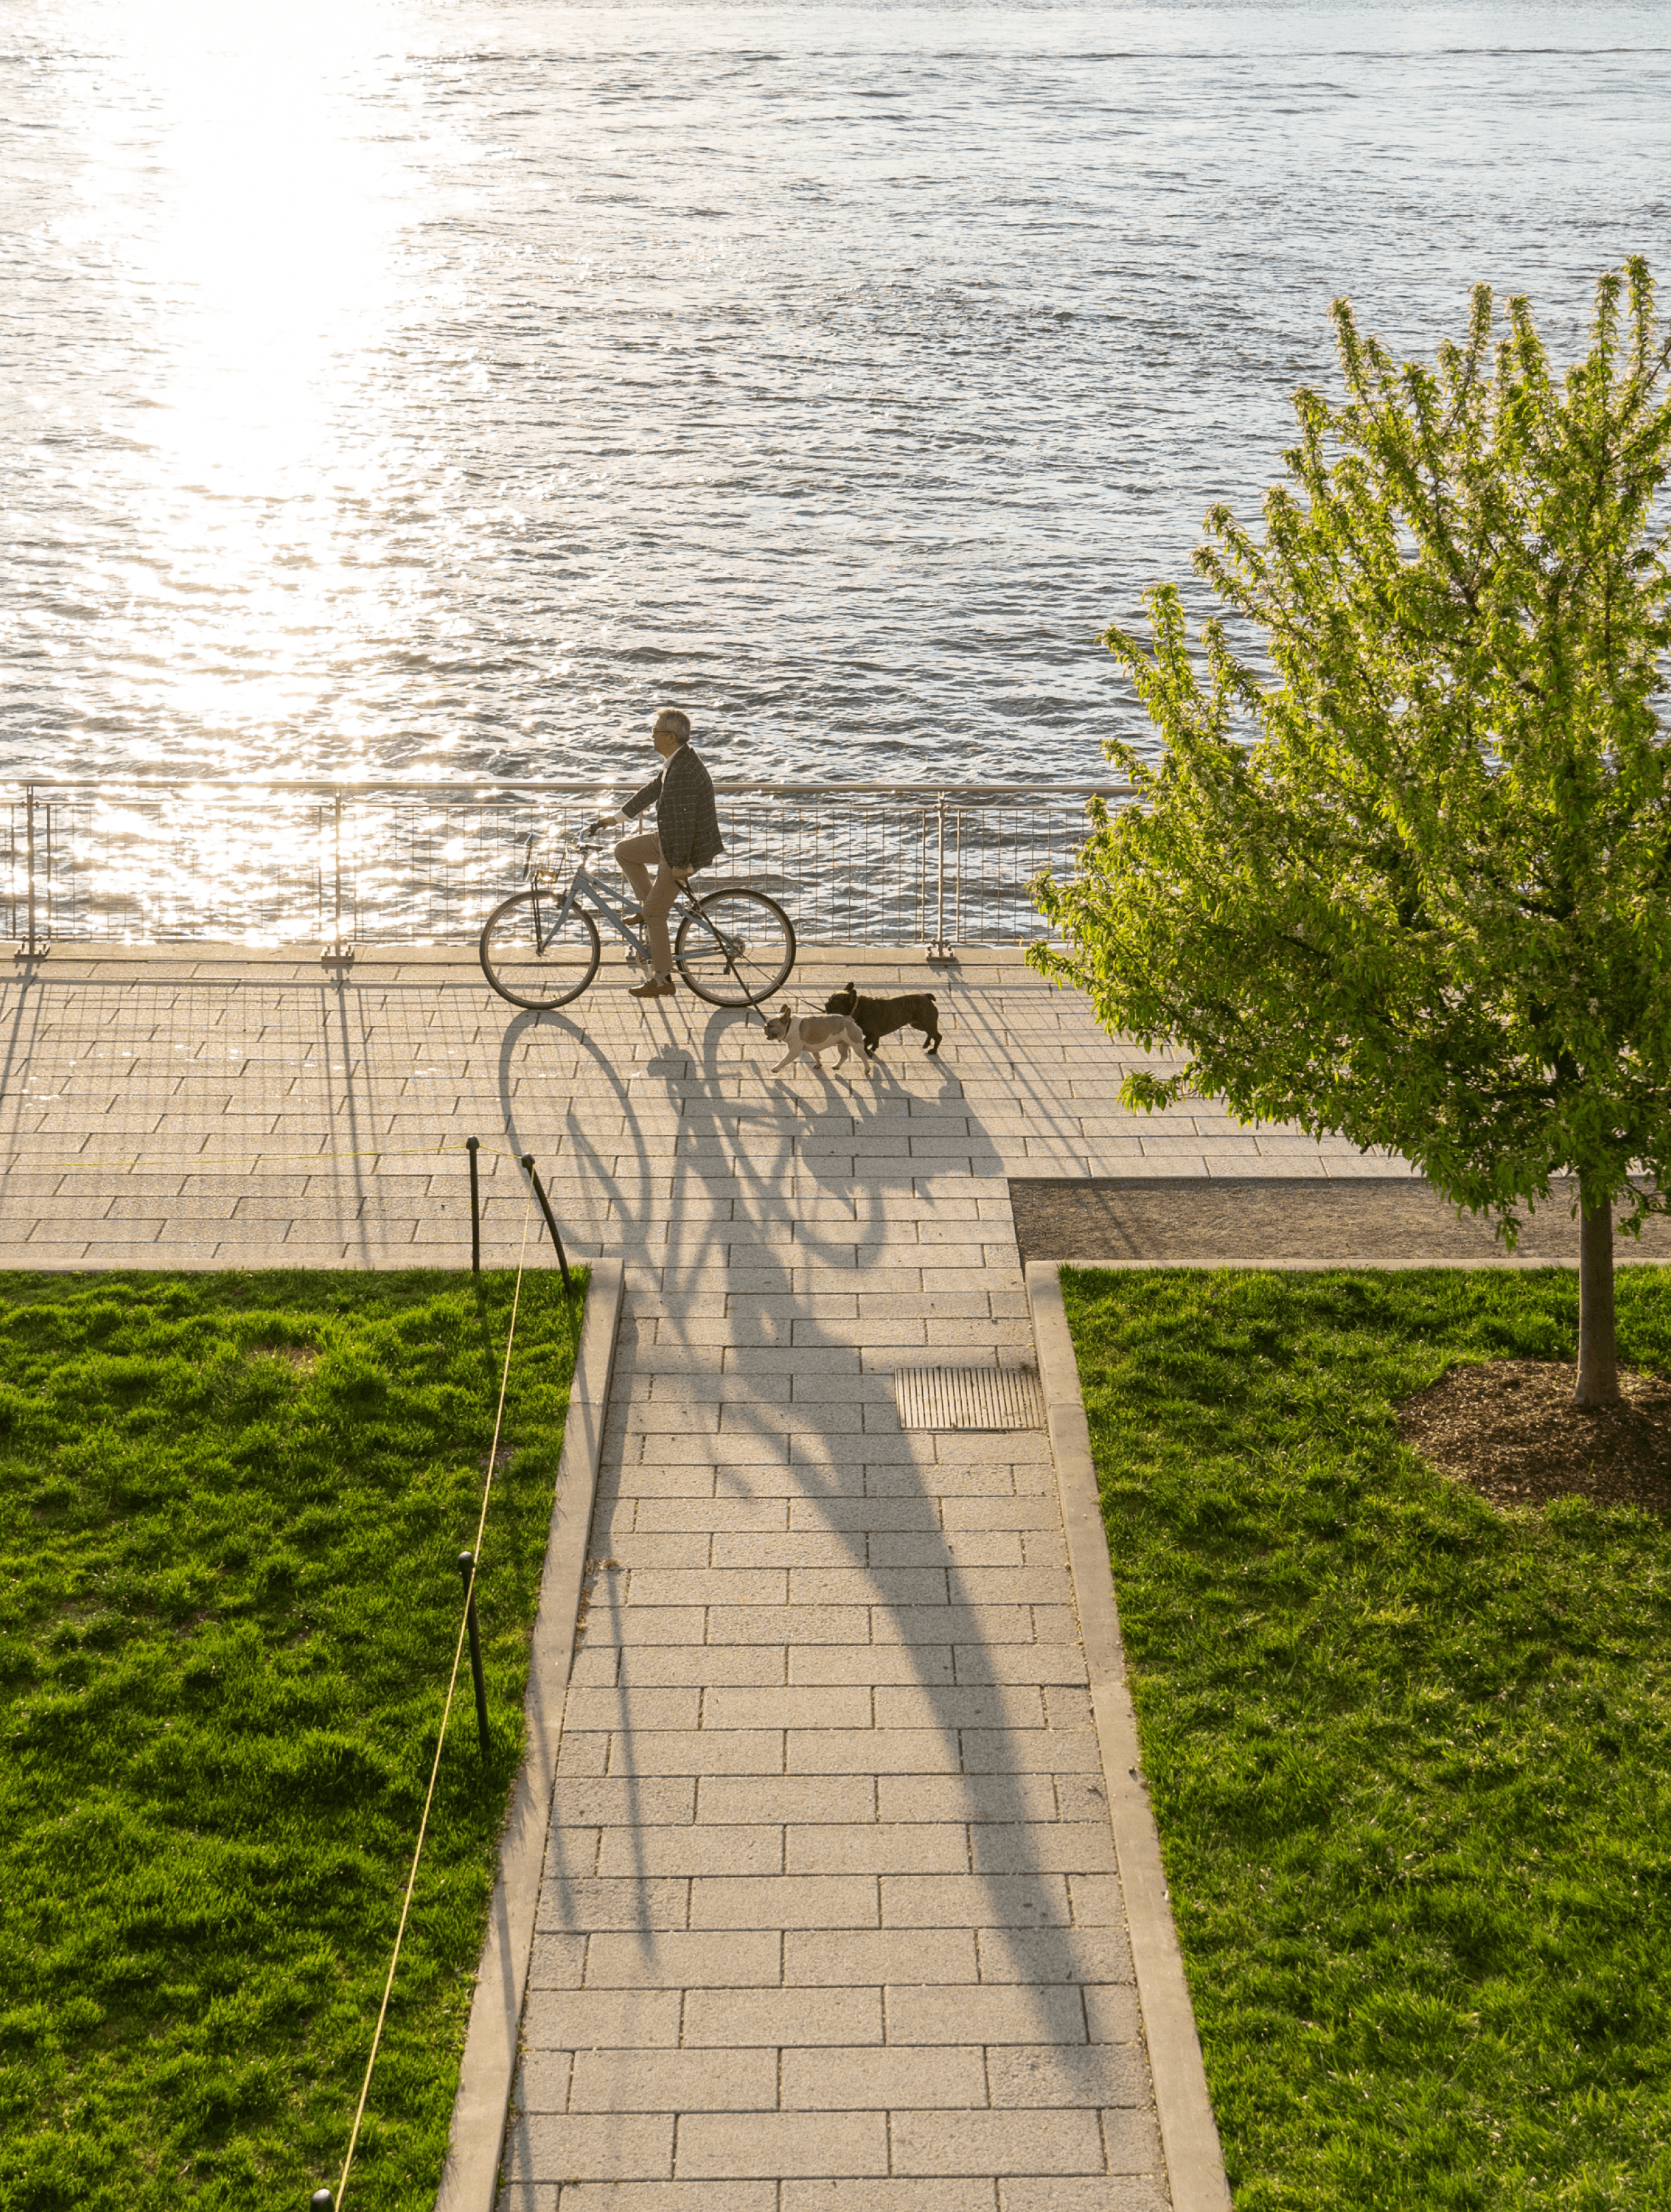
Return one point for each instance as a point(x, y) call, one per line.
point(753, 936)
point(584, 884)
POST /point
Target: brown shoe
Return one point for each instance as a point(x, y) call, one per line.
point(658, 987)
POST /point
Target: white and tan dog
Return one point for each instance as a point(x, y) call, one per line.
point(808, 1036)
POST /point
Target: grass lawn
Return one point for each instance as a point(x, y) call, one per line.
point(1410, 1755)
point(230, 1510)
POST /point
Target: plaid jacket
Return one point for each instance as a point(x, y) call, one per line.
point(687, 819)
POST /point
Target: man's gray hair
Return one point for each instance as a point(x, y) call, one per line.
point(675, 718)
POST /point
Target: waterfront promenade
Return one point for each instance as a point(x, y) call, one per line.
point(830, 1918)
point(215, 1107)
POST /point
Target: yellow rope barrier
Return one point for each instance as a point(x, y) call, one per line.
point(195, 1162)
point(446, 1709)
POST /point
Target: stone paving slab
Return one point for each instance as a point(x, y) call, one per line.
point(830, 1917)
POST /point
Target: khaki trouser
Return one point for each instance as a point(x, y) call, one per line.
point(655, 899)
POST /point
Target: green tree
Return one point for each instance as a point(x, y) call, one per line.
point(1405, 876)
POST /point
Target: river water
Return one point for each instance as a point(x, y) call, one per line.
point(401, 388)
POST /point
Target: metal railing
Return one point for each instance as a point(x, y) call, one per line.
point(282, 861)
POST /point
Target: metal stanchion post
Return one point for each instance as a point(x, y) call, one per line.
point(936, 951)
point(33, 943)
point(473, 1145)
point(550, 1222)
point(339, 950)
point(467, 1568)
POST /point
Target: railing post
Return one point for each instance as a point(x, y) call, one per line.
point(338, 950)
point(937, 949)
point(33, 943)
point(940, 874)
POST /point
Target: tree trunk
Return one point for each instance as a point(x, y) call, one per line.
point(1598, 1351)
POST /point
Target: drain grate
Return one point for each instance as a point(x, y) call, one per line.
point(968, 1398)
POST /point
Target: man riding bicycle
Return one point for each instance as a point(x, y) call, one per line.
point(734, 946)
point(686, 837)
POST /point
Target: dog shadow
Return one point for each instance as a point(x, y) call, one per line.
point(880, 1077)
point(832, 1076)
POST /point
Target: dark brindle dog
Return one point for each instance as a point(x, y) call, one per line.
point(879, 1018)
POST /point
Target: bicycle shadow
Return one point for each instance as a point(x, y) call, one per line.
point(903, 1607)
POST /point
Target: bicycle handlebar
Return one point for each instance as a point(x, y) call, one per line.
point(587, 834)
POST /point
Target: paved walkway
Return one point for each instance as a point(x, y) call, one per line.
point(830, 1917)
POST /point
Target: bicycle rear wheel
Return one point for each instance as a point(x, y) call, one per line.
point(736, 949)
point(531, 958)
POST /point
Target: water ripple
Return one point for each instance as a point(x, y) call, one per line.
point(393, 385)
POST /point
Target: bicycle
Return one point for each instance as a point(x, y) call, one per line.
point(540, 948)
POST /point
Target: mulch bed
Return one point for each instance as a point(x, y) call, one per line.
point(1252, 1221)
point(1510, 1429)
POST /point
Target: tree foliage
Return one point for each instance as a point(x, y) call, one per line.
point(1405, 876)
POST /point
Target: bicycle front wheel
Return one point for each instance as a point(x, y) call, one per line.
point(736, 949)
point(534, 960)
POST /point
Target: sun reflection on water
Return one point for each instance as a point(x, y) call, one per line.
point(263, 271)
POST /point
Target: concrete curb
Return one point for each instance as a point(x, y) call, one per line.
point(307, 962)
point(1189, 2133)
point(470, 2180)
point(1377, 1265)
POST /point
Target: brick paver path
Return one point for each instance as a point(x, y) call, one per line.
point(830, 1919)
